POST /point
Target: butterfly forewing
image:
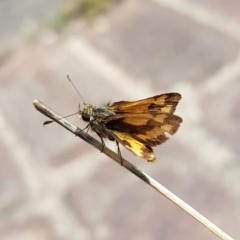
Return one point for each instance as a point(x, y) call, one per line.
point(165, 103)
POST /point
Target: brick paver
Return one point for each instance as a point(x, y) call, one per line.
point(55, 186)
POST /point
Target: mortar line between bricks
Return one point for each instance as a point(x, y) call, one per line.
point(64, 223)
point(209, 149)
point(22, 157)
point(107, 69)
point(219, 80)
point(203, 16)
point(76, 170)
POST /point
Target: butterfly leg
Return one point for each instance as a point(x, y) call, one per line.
point(87, 127)
point(103, 143)
point(119, 153)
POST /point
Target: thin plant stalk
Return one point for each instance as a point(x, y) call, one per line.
point(147, 179)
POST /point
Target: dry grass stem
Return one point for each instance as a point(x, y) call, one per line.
point(150, 181)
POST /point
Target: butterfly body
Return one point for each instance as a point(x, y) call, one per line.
point(138, 125)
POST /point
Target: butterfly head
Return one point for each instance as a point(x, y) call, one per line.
point(86, 113)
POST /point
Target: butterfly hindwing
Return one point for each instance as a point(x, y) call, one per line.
point(139, 149)
point(146, 127)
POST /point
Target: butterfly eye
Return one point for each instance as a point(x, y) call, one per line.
point(85, 117)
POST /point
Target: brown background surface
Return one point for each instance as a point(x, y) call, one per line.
point(55, 186)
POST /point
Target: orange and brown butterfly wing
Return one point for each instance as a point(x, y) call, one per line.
point(140, 132)
point(139, 149)
point(165, 103)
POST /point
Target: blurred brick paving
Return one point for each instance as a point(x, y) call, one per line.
point(55, 186)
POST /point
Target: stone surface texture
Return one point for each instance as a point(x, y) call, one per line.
point(54, 186)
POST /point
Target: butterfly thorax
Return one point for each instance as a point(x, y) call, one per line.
point(96, 116)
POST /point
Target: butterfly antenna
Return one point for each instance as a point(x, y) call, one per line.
point(48, 122)
point(75, 87)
